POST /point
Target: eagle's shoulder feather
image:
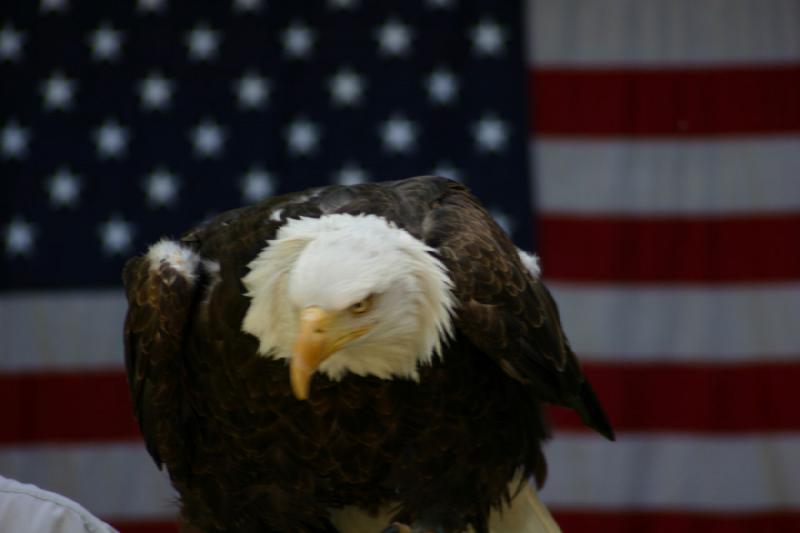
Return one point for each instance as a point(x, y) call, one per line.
point(160, 301)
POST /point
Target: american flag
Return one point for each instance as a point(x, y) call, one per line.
point(649, 151)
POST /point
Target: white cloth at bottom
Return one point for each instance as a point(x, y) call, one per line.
point(28, 509)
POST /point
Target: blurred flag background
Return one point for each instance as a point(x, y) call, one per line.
point(649, 151)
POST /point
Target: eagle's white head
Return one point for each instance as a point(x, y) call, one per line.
point(345, 293)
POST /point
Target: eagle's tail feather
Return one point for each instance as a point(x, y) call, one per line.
point(525, 514)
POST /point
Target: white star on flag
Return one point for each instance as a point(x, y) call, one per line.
point(394, 38)
point(302, 137)
point(64, 188)
point(252, 91)
point(442, 86)
point(398, 134)
point(346, 87)
point(503, 220)
point(491, 134)
point(57, 92)
point(245, 6)
point(14, 140)
point(488, 38)
point(11, 42)
point(155, 92)
point(342, 4)
point(203, 43)
point(350, 174)
point(116, 235)
point(161, 187)
point(152, 6)
point(111, 139)
point(47, 6)
point(440, 4)
point(19, 236)
point(256, 185)
point(298, 40)
point(208, 139)
point(105, 43)
point(447, 170)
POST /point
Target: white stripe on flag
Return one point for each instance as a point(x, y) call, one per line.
point(729, 323)
point(723, 324)
point(655, 32)
point(123, 481)
point(655, 177)
point(61, 330)
point(731, 473)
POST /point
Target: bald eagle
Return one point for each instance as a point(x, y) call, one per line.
point(373, 347)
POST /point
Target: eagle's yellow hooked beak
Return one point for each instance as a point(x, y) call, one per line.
point(318, 339)
point(312, 346)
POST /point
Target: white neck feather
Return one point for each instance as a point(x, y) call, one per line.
point(336, 260)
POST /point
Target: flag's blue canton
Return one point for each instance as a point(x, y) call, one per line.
point(124, 121)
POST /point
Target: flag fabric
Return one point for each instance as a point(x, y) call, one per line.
point(126, 120)
point(647, 150)
point(665, 142)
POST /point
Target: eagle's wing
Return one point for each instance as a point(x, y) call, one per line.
point(160, 299)
point(503, 309)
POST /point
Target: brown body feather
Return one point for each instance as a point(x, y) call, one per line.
point(245, 455)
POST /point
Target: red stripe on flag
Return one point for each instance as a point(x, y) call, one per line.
point(755, 248)
point(131, 526)
point(66, 407)
point(670, 522)
point(702, 398)
point(756, 397)
point(574, 521)
point(668, 101)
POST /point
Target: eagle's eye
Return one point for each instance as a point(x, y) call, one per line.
point(361, 306)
